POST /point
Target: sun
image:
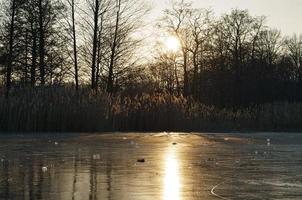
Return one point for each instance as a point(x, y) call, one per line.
point(172, 43)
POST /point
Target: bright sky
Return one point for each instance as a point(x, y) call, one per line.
point(285, 15)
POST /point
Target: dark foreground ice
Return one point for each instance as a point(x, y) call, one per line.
point(176, 166)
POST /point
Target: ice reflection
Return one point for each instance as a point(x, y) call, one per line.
point(104, 167)
point(172, 181)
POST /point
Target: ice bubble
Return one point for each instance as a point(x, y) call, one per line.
point(96, 156)
point(44, 169)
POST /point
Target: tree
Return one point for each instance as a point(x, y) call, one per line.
point(42, 13)
point(95, 43)
point(293, 47)
point(110, 42)
point(113, 47)
point(176, 20)
point(13, 8)
point(201, 31)
point(238, 30)
point(72, 27)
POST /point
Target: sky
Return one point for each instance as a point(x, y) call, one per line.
point(285, 15)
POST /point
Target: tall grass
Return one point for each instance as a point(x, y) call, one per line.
point(64, 110)
point(52, 110)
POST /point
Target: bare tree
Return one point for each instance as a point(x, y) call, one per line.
point(72, 26)
point(293, 47)
point(176, 21)
point(113, 48)
point(201, 31)
point(11, 43)
point(96, 11)
point(271, 45)
point(33, 28)
point(42, 40)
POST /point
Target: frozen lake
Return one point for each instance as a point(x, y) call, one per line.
point(176, 166)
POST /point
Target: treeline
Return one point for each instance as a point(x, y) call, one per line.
point(234, 60)
point(56, 42)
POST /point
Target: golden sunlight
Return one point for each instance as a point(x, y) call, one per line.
point(172, 43)
point(171, 179)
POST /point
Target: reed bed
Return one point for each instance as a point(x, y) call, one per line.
point(60, 109)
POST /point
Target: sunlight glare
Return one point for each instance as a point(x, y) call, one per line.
point(172, 44)
point(171, 180)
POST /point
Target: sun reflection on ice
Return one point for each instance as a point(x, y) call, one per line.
point(171, 180)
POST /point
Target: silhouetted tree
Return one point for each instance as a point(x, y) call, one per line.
point(72, 27)
point(13, 8)
point(176, 21)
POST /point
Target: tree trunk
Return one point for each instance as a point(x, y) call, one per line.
point(42, 44)
point(99, 53)
point(34, 58)
point(177, 81)
point(113, 49)
point(26, 59)
point(186, 78)
point(10, 55)
point(76, 76)
point(95, 45)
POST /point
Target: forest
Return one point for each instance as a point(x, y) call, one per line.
point(96, 65)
